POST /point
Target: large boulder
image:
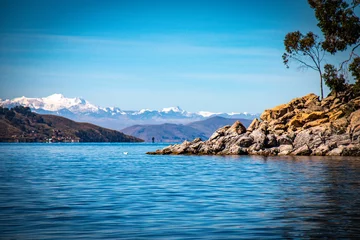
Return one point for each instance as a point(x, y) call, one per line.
point(271, 141)
point(236, 129)
point(253, 125)
point(284, 140)
point(302, 138)
point(322, 150)
point(245, 141)
point(285, 149)
point(219, 133)
point(303, 150)
point(259, 136)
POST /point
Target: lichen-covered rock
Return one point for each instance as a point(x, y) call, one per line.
point(315, 123)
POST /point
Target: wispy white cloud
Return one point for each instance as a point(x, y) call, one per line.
point(66, 75)
point(159, 45)
point(251, 78)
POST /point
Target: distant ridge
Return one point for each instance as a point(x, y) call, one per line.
point(19, 124)
point(178, 132)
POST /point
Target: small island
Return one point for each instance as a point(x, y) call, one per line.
point(304, 126)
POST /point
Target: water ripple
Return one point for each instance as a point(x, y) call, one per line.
point(81, 191)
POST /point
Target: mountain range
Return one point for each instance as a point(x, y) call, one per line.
point(81, 110)
point(178, 132)
point(19, 124)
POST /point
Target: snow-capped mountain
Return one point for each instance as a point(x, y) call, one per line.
point(80, 109)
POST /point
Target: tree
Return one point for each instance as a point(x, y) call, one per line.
point(354, 68)
point(341, 28)
point(306, 50)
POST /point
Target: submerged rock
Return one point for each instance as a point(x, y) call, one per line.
point(304, 126)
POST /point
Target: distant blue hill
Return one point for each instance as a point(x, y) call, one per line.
point(178, 132)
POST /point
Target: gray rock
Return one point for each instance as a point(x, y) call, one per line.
point(303, 150)
point(284, 140)
point(253, 125)
point(234, 150)
point(259, 136)
point(315, 141)
point(354, 126)
point(271, 141)
point(205, 149)
point(302, 138)
point(322, 150)
point(237, 128)
point(337, 140)
point(285, 149)
point(245, 141)
point(351, 150)
point(255, 148)
point(219, 145)
point(336, 151)
point(219, 133)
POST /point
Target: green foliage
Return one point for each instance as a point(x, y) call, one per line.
point(354, 68)
point(298, 45)
point(334, 80)
point(338, 22)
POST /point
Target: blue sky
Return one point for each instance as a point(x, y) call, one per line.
point(220, 56)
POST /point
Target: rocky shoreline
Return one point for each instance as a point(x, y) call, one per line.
point(304, 126)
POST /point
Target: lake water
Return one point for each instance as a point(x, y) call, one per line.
point(95, 191)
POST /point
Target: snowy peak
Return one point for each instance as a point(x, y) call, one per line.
point(207, 114)
point(55, 97)
point(54, 102)
point(176, 109)
point(57, 102)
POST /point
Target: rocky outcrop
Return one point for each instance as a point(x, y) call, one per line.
point(304, 126)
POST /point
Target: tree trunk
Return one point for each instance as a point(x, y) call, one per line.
point(321, 87)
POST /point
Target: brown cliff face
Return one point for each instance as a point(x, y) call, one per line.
point(304, 126)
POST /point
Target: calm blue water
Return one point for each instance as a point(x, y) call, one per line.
point(95, 191)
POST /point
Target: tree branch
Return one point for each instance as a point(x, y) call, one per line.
point(350, 57)
point(304, 63)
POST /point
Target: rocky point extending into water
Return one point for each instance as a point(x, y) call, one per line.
point(304, 126)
